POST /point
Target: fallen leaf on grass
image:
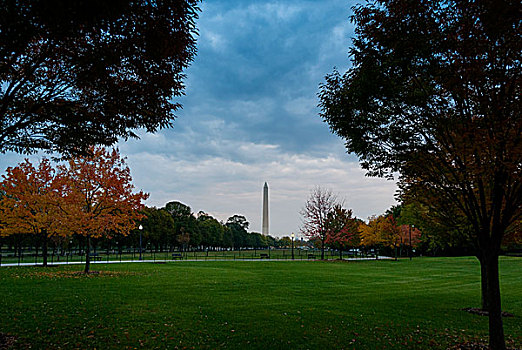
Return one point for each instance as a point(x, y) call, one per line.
point(7, 341)
point(77, 274)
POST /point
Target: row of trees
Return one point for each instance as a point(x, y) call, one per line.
point(175, 225)
point(160, 232)
point(88, 196)
point(90, 199)
point(387, 231)
point(411, 224)
point(328, 224)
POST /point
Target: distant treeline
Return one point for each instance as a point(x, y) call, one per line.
point(173, 227)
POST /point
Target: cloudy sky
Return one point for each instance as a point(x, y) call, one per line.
point(250, 115)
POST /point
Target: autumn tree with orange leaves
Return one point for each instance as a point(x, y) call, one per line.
point(91, 196)
point(101, 198)
point(390, 232)
point(410, 236)
point(32, 202)
point(382, 230)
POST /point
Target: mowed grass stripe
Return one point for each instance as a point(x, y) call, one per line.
point(316, 305)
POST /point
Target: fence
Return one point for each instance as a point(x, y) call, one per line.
point(28, 256)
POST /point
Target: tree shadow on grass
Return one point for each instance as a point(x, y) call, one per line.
point(480, 312)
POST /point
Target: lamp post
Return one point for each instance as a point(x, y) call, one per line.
point(410, 241)
point(141, 229)
point(293, 236)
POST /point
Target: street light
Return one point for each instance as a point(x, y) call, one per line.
point(411, 250)
point(141, 229)
point(293, 235)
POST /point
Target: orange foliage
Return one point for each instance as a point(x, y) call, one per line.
point(31, 200)
point(390, 231)
point(369, 232)
point(381, 230)
point(100, 197)
point(415, 235)
point(92, 196)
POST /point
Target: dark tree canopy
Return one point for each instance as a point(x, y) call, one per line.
point(178, 210)
point(158, 225)
point(422, 71)
point(434, 94)
point(239, 220)
point(77, 73)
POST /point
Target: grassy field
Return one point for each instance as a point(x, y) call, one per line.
point(254, 304)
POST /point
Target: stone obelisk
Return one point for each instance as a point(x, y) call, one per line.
point(265, 210)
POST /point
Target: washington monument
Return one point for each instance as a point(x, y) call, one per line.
point(265, 230)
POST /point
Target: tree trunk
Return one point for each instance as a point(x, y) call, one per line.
point(87, 256)
point(483, 282)
point(44, 247)
point(322, 248)
point(496, 330)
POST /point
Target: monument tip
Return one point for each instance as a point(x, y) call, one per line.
point(264, 229)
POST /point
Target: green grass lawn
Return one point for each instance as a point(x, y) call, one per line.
point(254, 304)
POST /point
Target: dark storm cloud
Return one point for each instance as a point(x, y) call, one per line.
point(259, 67)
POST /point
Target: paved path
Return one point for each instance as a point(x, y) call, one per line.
point(175, 261)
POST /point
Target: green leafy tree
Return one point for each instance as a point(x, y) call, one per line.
point(394, 211)
point(239, 220)
point(441, 234)
point(285, 242)
point(211, 231)
point(258, 240)
point(78, 73)
point(228, 237)
point(184, 224)
point(158, 226)
point(434, 94)
point(178, 209)
point(238, 225)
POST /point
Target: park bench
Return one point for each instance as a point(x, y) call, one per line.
point(311, 256)
point(177, 256)
point(264, 256)
point(95, 257)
